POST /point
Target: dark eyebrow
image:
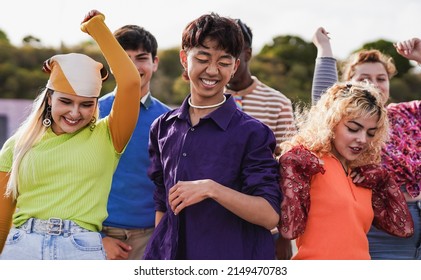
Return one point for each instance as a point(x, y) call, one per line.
point(361, 126)
point(142, 54)
point(227, 56)
point(203, 53)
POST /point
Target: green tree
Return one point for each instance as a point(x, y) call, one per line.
point(402, 64)
point(3, 38)
point(169, 63)
point(164, 84)
point(181, 88)
point(287, 64)
point(290, 50)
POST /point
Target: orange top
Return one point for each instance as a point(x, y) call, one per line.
point(339, 218)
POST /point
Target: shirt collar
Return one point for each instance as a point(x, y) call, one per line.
point(146, 100)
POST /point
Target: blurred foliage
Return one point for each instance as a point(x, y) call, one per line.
point(286, 64)
point(165, 83)
point(3, 38)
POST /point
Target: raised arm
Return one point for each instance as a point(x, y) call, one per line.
point(325, 72)
point(125, 110)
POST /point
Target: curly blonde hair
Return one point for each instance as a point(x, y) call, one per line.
point(341, 101)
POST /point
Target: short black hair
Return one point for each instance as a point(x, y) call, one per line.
point(221, 29)
point(134, 37)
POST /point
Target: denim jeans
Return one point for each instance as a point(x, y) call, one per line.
point(70, 242)
point(384, 246)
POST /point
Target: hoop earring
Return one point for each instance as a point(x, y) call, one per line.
point(92, 124)
point(46, 122)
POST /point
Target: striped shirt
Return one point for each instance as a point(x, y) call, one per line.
point(325, 75)
point(268, 106)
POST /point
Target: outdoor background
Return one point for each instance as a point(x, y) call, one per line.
point(32, 31)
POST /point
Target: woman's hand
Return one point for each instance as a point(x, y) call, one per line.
point(357, 178)
point(321, 40)
point(90, 15)
point(410, 49)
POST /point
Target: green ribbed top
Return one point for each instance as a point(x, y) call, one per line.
point(62, 183)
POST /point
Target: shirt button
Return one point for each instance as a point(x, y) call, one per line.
point(192, 129)
point(184, 154)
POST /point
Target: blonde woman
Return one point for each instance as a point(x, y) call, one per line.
point(56, 170)
point(323, 209)
point(401, 155)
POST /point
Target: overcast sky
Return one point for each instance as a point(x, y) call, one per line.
point(350, 23)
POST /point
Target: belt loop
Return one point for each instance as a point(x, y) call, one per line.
point(66, 228)
point(29, 225)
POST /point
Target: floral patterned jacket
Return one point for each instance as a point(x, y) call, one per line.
point(298, 165)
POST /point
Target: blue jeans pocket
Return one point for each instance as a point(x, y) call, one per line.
point(87, 241)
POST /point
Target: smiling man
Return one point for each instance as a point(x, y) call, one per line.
point(215, 176)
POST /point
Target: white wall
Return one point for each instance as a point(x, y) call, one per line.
point(15, 111)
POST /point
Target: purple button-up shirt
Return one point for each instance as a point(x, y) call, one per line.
point(229, 147)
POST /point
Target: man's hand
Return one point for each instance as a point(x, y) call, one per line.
point(116, 249)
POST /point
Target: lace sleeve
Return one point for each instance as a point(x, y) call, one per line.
point(391, 212)
point(297, 166)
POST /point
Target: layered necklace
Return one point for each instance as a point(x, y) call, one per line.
point(207, 106)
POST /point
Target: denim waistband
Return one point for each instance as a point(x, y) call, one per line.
point(52, 226)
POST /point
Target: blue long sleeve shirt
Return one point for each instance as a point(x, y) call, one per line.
point(131, 204)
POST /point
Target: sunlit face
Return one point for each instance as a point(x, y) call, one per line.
point(209, 69)
point(376, 74)
point(352, 137)
point(145, 65)
point(70, 113)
